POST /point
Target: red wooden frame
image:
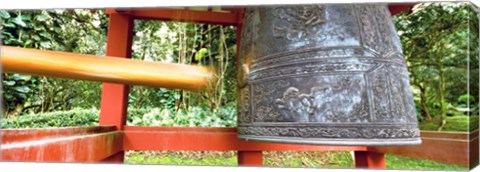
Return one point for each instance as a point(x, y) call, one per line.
point(70, 144)
point(108, 142)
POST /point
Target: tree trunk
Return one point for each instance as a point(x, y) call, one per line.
point(441, 95)
point(16, 112)
point(423, 100)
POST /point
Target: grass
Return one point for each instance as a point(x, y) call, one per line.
point(181, 158)
point(317, 159)
point(406, 163)
point(460, 123)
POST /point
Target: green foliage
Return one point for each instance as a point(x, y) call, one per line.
point(79, 31)
point(186, 43)
point(437, 43)
point(406, 163)
point(75, 117)
point(200, 54)
point(461, 123)
point(195, 117)
point(465, 99)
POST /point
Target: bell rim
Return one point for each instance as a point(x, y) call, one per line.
point(335, 141)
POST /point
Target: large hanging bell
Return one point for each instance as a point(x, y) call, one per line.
point(330, 74)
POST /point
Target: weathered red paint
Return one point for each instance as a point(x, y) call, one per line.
point(22, 135)
point(448, 147)
point(250, 158)
point(181, 15)
point(113, 107)
point(365, 159)
point(87, 147)
point(207, 139)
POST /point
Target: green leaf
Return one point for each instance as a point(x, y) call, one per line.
point(10, 25)
point(26, 17)
point(200, 54)
point(45, 44)
point(36, 38)
point(42, 17)
point(9, 83)
point(4, 14)
point(21, 77)
point(18, 20)
point(8, 34)
point(45, 34)
point(22, 89)
point(8, 96)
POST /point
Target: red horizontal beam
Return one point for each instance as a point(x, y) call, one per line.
point(182, 15)
point(80, 148)
point(447, 147)
point(207, 139)
point(22, 135)
point(210, 17)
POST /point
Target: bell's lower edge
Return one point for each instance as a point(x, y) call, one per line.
point(335, 141)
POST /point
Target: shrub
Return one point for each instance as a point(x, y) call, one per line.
point(195, 117)
point(75, 117)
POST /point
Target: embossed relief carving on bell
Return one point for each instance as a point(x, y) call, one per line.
point(324, 74)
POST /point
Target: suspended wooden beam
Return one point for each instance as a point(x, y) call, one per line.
point(104, 69)
point(73, 144)
point(207, 139)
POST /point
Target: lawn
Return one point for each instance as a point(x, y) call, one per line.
point(317, 159)
point(454, 123)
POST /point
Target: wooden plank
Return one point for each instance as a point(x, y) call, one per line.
point(80, 148)
point(207, 139)
point(22, 135)
point(181, 15)
point(446, 147)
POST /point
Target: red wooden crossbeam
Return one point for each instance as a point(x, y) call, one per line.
point(72, 145)
point(181, 15)
point(207, 139)
point(209, 17)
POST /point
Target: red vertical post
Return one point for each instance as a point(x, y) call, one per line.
point(113, 107)
point(245, 158)
point(366, 159)
point(250, 158)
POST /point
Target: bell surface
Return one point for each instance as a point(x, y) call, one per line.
point(329, 74)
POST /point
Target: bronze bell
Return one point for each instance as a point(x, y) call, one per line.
point(331, 74)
